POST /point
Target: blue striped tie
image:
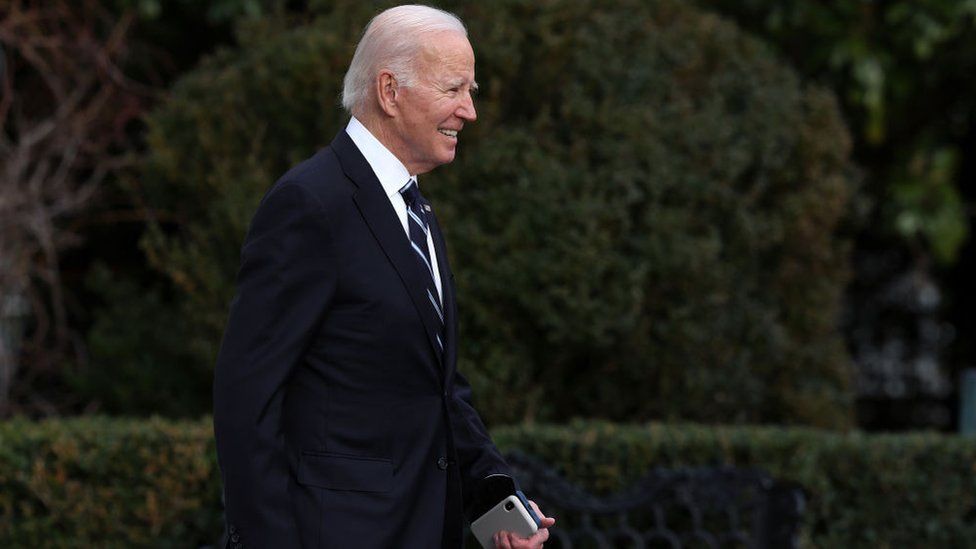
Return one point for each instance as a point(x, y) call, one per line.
point(419, 229)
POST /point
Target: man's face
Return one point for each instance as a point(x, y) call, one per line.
point(435, 108)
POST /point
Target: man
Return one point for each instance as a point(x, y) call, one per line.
point(340, 418)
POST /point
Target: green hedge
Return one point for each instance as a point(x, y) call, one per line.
point(865, 491)
point(643, 222)
point(96, 482)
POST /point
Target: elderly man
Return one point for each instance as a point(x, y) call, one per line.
point(340, 418)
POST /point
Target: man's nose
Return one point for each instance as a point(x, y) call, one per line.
point(466, 111)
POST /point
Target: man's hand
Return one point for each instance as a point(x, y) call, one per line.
point(508, 540)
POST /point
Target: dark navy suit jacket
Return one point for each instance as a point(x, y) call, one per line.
point(337, 422)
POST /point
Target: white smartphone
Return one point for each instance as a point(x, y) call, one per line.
point(511, 515)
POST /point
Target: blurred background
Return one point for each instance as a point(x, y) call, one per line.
point(139, 135)
point(745, 212)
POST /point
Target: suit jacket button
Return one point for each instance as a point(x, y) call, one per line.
point(442, 463)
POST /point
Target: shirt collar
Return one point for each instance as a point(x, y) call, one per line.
point(389, 170)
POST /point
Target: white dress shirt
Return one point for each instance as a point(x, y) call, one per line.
point(393, 176)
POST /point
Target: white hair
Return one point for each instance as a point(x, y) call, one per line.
point(392, 41)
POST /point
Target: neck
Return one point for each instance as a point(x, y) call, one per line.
point(384, 134)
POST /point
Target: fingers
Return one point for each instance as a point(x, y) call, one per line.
point(508, 540)
point(535, 508)
point(546, 521)
point(502, 540)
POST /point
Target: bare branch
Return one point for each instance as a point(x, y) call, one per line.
point(65, 104)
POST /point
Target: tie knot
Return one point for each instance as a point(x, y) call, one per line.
point(411, 193)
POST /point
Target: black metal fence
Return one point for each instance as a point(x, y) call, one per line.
point(668, 508)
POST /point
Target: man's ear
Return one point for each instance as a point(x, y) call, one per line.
point(387, 93)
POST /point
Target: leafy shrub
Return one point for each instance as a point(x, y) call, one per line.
point(143, 363)
point(642, 223)
point(97, 482)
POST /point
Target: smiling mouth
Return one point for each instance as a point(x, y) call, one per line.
point(449, 133)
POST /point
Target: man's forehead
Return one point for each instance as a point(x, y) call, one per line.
point(445, 46)
point(448, 60)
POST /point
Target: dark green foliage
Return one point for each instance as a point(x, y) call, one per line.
point(644, 228)
point(903, 70)
point(143, 363)
point(229, 129)
point(95, 482)
point(642, 222)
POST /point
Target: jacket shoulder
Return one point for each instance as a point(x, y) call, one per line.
point(319, 176)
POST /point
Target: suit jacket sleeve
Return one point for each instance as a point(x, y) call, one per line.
point(285, 283)
point(477, 455)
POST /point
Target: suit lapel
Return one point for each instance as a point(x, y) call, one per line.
point(383, 222)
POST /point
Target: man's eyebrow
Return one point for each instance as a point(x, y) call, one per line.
point(474, 87)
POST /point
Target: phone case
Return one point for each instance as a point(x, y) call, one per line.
point(510, 515)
